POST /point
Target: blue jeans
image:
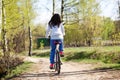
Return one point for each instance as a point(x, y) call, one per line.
point(53, 47)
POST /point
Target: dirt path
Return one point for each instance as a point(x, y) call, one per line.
point(70, 71)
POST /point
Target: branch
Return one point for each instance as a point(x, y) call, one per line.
point(46, 8)
point(16, 27)
point(69, 3)
point(8, 2)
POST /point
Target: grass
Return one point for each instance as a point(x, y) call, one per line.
point(109, 66)
point(99, 64)
point(107, 56)
point(99, 48)
point(18, 70)
point(41, 53)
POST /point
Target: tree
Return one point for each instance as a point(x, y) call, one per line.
point(116, 35)
point(3, 33)
point(28, 14)
point(88, 13)
point(16, 15)
point(10, 24)
point(53, 7)
point(29, 28)
point(37, 32)
point(62, 9)
point(108, 29)
point(82, 15)
point(14, 26)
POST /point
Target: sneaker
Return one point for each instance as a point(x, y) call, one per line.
point(51, 66)
point(61, 54)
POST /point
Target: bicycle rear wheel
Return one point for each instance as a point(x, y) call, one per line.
point(58, 63)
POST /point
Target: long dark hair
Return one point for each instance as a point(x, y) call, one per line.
point(55, 20)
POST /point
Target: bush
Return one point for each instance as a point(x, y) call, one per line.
point(6, 63)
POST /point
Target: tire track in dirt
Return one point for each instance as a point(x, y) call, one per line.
point(70, 71)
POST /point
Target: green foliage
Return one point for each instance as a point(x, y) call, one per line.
point(108, 29)
point(13, 18)
point(74, 35)
point(42, 45)
point(18, 15)
point(38, 31)
point(85, 24)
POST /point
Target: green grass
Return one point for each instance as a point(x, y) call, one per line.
point(41, 53)
point(107, 56)
point(45, 52)
point(99, 64)
point(99, 48)
point(102, 65)
point(18, 70)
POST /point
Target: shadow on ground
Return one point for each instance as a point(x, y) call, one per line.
point(62, 74)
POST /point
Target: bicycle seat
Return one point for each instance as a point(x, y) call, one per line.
point(57, 42)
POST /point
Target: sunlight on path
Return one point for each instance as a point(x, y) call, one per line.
point(70, 71)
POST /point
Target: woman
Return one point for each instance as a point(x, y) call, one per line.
point(56, 31)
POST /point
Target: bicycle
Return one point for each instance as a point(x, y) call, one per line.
point(57, 64)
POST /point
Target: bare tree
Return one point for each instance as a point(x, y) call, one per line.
point(53, 7)
point(29, 28)
point(4, 41)
point(119, 7)
point(62, 9)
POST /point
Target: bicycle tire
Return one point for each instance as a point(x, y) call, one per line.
point(57, 64)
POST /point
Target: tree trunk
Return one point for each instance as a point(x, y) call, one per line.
point(29, 29)
point(119, 8)
point(23, 33)
point(4, 41)
point(53, 7)
point(62, 9)
point(30, 41)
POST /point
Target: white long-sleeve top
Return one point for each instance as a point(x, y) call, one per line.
point(55, 32)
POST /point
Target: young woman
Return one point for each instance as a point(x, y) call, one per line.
point(56, 32)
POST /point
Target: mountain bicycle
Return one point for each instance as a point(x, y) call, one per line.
point(57, 64)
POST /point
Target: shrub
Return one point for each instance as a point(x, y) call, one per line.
point(6, 63)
